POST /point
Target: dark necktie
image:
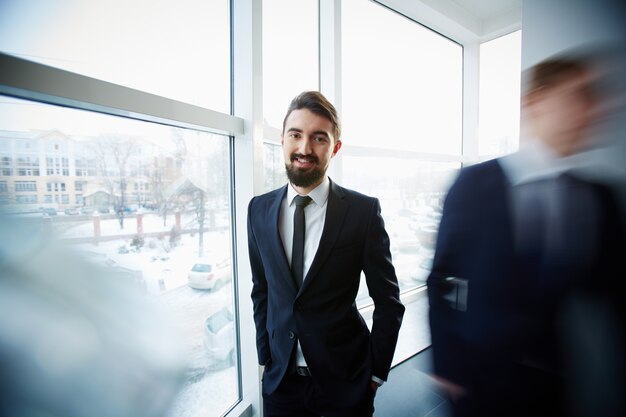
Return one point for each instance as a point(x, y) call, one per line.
point(531, 226)
point(297, 252)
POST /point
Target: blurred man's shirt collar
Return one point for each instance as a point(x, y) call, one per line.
point(536, 161)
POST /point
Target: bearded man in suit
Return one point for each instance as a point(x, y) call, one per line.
point(309, 241)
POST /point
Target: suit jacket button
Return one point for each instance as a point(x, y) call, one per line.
point(292, 335)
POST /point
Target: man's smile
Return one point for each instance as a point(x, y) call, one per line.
point(304, 162)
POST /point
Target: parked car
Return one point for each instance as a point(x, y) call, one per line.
point(405, 241)
point(98, 258)
point(72, 211)
point(219, 336)
point(427, 236)
point(208, 275)
point(128, 276)
point(86, 210)
point(406, 213)
point(46, 211)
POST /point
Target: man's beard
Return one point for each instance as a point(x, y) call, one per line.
point(302, 178)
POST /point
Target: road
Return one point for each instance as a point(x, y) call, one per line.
point(210, 387)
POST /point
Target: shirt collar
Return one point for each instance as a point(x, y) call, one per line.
point(319, 194)
point(535, 162)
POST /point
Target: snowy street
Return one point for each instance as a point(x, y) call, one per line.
point(210, 384)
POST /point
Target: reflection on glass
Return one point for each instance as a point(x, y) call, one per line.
point(499, 95)
point(274, 163)
point(290, 54)
point(411, 195)
point(130, 43)
point(148, 202)
point(401, 83)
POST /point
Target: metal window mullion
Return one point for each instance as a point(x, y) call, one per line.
point(24, 79)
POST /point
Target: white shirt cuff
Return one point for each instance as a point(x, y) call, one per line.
point(377, 380)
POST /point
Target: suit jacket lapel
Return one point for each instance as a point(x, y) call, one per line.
point(276, 242)
point(335, 213)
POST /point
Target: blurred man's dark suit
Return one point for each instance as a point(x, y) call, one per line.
point(340, 351)
point(498, 310)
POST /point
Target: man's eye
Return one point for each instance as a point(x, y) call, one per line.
point(320, 138)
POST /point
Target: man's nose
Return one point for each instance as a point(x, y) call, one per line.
point(304, 147)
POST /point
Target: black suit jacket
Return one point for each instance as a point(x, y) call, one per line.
point(339, 349)
point(496, 319)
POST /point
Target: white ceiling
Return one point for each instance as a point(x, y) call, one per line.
point(464, 20)
point(489, 9)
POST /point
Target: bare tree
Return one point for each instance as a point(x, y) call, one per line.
point(164, 172)
point(157, 185)
point(113, 153)
point(200, 217)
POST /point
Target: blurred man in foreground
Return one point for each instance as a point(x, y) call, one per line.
point(75, 340)
point(523, 245)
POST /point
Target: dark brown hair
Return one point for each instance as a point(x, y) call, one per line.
point(551, 72)
point(316, 103)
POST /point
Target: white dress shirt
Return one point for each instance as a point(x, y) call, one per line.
point(536, 162)
point(314, 218)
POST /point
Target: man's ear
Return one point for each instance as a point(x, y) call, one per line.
point(336, 147)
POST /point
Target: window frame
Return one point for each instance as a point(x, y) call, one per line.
point(23, 79)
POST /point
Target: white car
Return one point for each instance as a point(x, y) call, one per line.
point(208, 275)
point(219, 336)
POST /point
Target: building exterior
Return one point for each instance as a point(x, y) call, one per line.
point(54, 170)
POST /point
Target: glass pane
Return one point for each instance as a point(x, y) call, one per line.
point(407, 96)
point(411, 195)
point(179, 50)
point(146, 201)
point(290, 54)
point(499, 95)
point(274, 163)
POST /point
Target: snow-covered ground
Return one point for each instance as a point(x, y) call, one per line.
point(210, 385)
point(158, 259)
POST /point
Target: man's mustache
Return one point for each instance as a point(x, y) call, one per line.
point(309, 158)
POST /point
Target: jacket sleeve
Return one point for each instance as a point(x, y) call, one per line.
point(382, 285)
point(259, 292)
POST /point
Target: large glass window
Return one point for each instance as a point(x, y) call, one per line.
point(411, 194)
point(402, 97)
point(401, 84)
point(179, 50)
point(499, 97)
point(152, 201)
point(400, 105)
point(170, 237)
point(290, 54)
point(274, 163)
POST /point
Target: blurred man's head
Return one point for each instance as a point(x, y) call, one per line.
point(560, 104)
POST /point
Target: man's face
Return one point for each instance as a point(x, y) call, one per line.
point(308, 146)
point(561, 114)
